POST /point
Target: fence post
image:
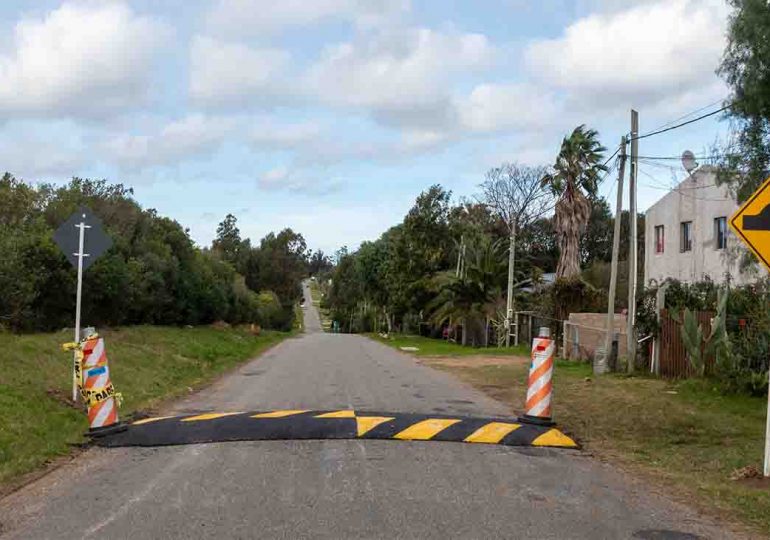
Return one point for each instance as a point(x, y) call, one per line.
point(660, 303)
point(516, 328)
point(576, 342)
point(564, 340)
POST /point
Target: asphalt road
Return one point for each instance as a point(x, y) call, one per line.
point(342, 488)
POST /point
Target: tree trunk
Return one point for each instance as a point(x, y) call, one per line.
point(569, 256)
point(573, 210)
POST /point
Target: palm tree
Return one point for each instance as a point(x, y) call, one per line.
point(574, 181)
point(471, 296)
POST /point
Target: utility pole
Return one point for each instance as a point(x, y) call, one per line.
point(509, 302)
point(614, 267)
point(633, 248)
point(460, 255)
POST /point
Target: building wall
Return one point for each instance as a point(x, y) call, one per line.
point(586, 333)
point(699, 200)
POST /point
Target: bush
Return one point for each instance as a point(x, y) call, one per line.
point(743, 366)
point(153, 273)
point(575, 295)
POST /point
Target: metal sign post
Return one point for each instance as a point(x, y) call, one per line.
point(81, 250)
point(79, 296)
point(766, 468)
point(751, 224)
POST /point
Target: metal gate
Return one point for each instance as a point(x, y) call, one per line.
point(673, 355)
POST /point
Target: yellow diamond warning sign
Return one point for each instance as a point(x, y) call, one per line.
point(751, 223)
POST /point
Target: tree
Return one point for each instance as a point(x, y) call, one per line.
point(228, 240)
point(744, 66)
point(516, 194)
point(152, 274)
point(278, 265)
point(538, 242)
point(319, 262)
point(416, 249)
point(574, 179)
point(471, 296)
point(596, 241)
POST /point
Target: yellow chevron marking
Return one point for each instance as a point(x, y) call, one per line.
point(280, 414)
point(554, 437)
point(208, 416)
point(367, 423)
point(338, 414)
point(149, 420)
point(493, 432)
point(425, 430)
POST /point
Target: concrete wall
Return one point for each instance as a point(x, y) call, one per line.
point(699, 200)
point(586, 332)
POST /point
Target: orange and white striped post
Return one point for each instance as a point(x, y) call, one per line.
point(538, 405)
point(97, 390)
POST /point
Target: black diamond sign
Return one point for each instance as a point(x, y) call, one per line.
point(95, 240)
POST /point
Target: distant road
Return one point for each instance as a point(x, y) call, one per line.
point(340, 488)
point(312, 320)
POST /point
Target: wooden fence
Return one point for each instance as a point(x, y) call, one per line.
point(673, 355)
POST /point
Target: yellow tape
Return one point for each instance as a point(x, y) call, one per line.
point(70, 345)
point(97, 395)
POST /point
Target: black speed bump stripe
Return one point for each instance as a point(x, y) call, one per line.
point(336, 424)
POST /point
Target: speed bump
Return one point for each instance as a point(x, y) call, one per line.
point(336, 424)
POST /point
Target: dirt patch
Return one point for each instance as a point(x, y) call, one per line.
point(474, 361)
point(750, 476)
point(62, 397)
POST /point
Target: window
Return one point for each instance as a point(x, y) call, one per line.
point(720, 232)
point(659, 239)
point(685, 243)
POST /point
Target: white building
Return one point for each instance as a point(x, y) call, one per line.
point(687, 236)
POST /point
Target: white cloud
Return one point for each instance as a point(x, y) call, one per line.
point(229, 73)
point(282, 178)
point(269, 134)
point(416, 140)
point(257, 17)
point(193, 136)
point(399, 75)
point(81, 59)
point(496, 107)
point(32, 153)
point(639, 56)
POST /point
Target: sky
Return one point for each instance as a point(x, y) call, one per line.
point(331, 116)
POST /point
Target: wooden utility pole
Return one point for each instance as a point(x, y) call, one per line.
point(633, 248)
point(509, 301)
point(460, 255)
point(614, 267)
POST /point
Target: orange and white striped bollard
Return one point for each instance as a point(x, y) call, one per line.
point(538, 405)
point(98, 392)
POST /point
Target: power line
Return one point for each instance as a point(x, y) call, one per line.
point(696, 111)
point(677, 189)
point(713, 156)
point(701, 117)
point(615, 153)
point(661, 166)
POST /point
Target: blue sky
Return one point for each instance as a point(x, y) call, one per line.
point(330, 116)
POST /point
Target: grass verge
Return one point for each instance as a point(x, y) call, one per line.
point(684, 434)
point(439, 347)
point(147, 364)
